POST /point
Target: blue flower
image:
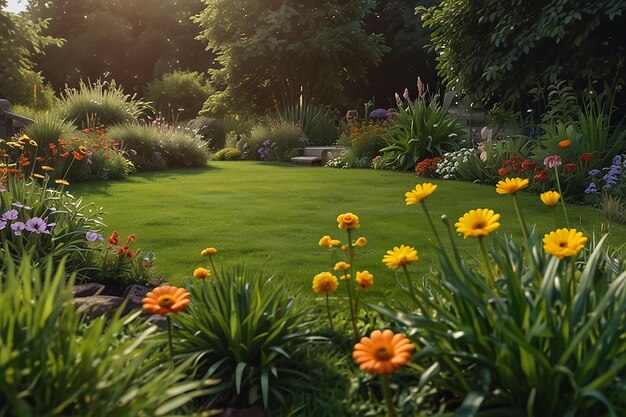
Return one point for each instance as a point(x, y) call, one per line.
point(594, 172)
point(592, 189)
point(379, 114)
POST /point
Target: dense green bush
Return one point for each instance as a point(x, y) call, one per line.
point(211, 131)
point(52, 363)
point(153, 148)
point(364, 142)
point(227, 154)
point(100, 103)
point(245, 330)
point(178, 95)
point(285, 137)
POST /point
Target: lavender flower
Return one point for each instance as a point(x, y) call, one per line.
point(17, 228)
point(20, 205)
point(3, 224)
point(594, 172)
point(36, 225)
point(592, 189)
point(10, 215)
point(93, 236)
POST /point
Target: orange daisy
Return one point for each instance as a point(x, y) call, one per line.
point(383, 352)
point(165, 300)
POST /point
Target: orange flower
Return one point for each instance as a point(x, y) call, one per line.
point(348, 221)
point(565, 143)
point(82, 149)
point(341, 266)
point(201, 273)
point(77, 155)
point(208, 252)
point(165, 300)
point(383, 352)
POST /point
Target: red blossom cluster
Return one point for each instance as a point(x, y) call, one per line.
point(517, 166)
point(427, 167)
point(122, 250)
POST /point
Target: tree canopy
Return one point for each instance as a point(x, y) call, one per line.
point(498, 50)
point(272, 50)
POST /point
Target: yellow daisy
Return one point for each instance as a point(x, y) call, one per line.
point(420, 192)
point(511, 185)
point(399, 256)
point(564, 242)
point(479, 222)
point(550, 198)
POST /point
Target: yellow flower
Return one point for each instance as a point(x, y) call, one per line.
point(383, 352)
point(564, 242)
point(360, 242)
point(33, 143)
point(325, 241)
point(47, 168)
point(399, 256)
point(345, 276)
point(39, 176)
point(364, 279)
point(208, 252)
point(201, 273)
point(23, 139)
point(420, 192)
point(15, 145)
point(479, 222)
point(341, 266)
point(325, 283)
point(565, 143)
point(62, 182)
point(335, 243)
point(550, 198)
point(348, 221)
point(511, 185)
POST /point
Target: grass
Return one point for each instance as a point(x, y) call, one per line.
point(272, 216)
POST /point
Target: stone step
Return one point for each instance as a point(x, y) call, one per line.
point(306, 160)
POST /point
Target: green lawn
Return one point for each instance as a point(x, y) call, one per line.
point(272, 216)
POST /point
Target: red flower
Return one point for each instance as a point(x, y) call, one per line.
point(114, 239)
point(120, 251)
point(569, 168)
point(503, 172)
point(586, 157)
point(129, 254)
point(541, 176)
point(131, 238)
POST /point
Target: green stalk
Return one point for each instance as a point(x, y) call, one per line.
point(330, 317)
point(169, 339)
point(553, 210)
point(355, 328)
point(391, 409)
point(432, 225)
point(558, 184)
point(520, 216)
point(408, 281)
point(213, 267)
point(490, 276)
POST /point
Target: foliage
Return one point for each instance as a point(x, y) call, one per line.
point(245, 330)
point(100, 103)
point(20, 39)
point(52, 363)
point(132, 42)
point(48, 128)
point(561, 105)
point(276, 51)
point(498, 51)
point(285, 135)
point(364, 142)
point(153, 148)
point(227, 154)
point(318, 122)
point(421, 130)
point(178, 95)
point(546, 342)
point(211, 130)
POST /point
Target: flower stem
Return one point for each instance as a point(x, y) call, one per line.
point(213, 266)
point(408, 281)
point(391, 409)
point(490, 276)
point(353, 313)
point(558, 184)
point(520, 216)
point(553, 210)
point(330, 317)
point(432, 225)
point(169, 339)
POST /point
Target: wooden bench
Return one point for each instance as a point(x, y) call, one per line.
point(316, 155)
point(6, 120)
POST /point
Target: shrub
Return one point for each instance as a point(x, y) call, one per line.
point(52, 363)
point(247, 332)
point(365, 142)
point(48, 128)
point(285, 135)
point(421, 130)
point(153, 148)
point(100, 103)
point(211, 131)
point(227, 154)
point(318, 123)
point(178, 95)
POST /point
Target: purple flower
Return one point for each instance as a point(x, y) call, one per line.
point(267, 142)
point(17, 228)
point(552, 161)
point(594, 172)
point(379, 114)
point(20, 205)
point(36, 225)
point(592, 189)
point(3, 224)
point(10, 215)
point(93, 236)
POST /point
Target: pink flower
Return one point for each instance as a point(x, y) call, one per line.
point(552, 161)
point(420, 87)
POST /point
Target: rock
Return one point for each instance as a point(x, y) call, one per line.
point(98, 305)
point(88, 289)
point(135, 294)
point(159, 321)
point(254, 411)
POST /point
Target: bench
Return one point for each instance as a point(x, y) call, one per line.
point(316, 155)
point(6, 120)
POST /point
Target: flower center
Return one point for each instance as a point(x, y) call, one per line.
point(563, 244)
point(165, 301)
point(383, 354)
point(479, 225)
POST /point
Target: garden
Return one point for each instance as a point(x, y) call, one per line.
point(459, 253)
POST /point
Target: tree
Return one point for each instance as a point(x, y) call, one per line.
point(497, 51)
point(131, 41)
point(20, 40)
point(275, 49)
